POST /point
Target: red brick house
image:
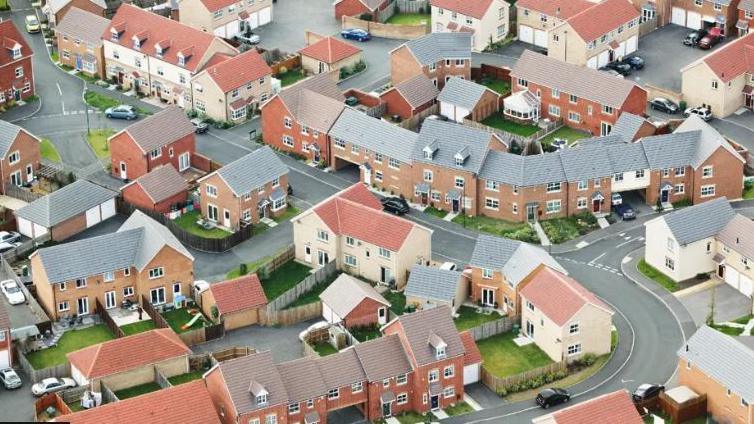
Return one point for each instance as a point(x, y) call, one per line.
point(159, 190)
point(167, 137)
point(6, 345)
point(353, 303)
point(410, 97)
point(16, 71)
point(358, 7)
point(745, 17)
point(327, 54)
point(19, 155)
point(439, 56)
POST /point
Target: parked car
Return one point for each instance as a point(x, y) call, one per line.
point(32, 24)
point(448, 266)
point(126, 112)
point(200, 127)
point(619, 67)
point(625, 211)
point(616, 199)
point(612, 72)
point(635, 62)
point(395, 205)
point(247, 38)
point(552, 396)
point(355, 34)
point(711, 39)
point(9, 236)
point(10, 379)
point(692, 39)
point(647, 391)
point(12, 292)
point(703, 112)
point(664, 105)
point(51, 385)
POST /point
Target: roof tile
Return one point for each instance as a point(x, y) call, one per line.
point(475, 8)
point(238, 71)
point(329, 50)
point(238, 294)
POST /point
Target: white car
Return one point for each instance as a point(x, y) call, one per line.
point(616, 199)
point(703, 112)
point(12, 292)
point(9, 236)
point(51, 385)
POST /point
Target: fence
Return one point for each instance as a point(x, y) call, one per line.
point(25, 247)
point(399, 32)
point(108, 320)
point(412, 6)
point(108, 396)
point(20, 193)
point(686, 411)
point(73, 394)
point(654, 91)
point(320, 335)
point(157, 319)
point(413, 122)
point(161, 380)
point(50, 400)
point(492, 328)
point(232, 353)
point(304, 286)
point(510, 138)
point(498, 384)
point(57, 371)
point(191, 337)
point(293, 315)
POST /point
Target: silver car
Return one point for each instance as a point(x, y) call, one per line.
point(51, 385)
point(10, 379)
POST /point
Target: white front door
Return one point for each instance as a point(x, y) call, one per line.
point(109, 300)
point(82, 306)
point(382, 315)
point(226, 218)
point(157, 296)
point(605, 128)
point(307, 254)
point(184, 161)
point(123, 173)
point(367, 176)
point(29, 173)
point(15, 179)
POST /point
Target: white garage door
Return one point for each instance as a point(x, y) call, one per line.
point(39, 230)
point(592, 62)
point(678, 16)
point(526, 34)
point(265, 16)
point(25, 227)
point(220, 31)
point(621, 50)
point(745, 286)
point(448, 110)
point(108, 209)
point(253, 20)
point(603, 59)
point(470, 374)
point(694, 20)
point(4, 358)
point(93, 216)
point(731, 277)
point(540, 38)
point(231, 28)
point(632, 44)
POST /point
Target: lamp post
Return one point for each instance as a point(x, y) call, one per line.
point(86, 108)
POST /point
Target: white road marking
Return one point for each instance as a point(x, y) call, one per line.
point(628, 240)
point(597, 258)
point(59, 90)
point(626, 260)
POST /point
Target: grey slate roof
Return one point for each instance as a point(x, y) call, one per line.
point(738, 234)
point(8, 134)
point(699, 221)
point(160, 129)
point(723, 358)
point(84, 25)
point(671, 150)
point(462, 92)
point(252, 171)
point(626, 157)
point(316, 101)
point(709, 140)
point(451, 138)
point(258, 367)
point(155, 237)
point(302, 379)
point(585, 163)
point(375, 134)
point(162, 182)
point(432, 283)
point(383, 357)
point(417, 90)
point(627, 126)
point(514, 259)
point(438, 46)
point(60, 205)
point(347, 292)
point(420, 326)
point(543, 169)
point(505, 168)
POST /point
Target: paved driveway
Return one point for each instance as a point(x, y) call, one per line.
point(729, 304)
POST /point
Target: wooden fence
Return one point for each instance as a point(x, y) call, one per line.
point(647, 26)
point(377, 29)
point(498, 384)
point(232, 353)
point(412, 6)
point(304, 286)
point(293, 315)
point(24, 248)
point(108, 396)
point(157, 319)
point(108, 320)
point(492, 328)
point(35, 375)
point(686, 411)
point(509, 137)
point(191, 337)
point(26, 195)
point(73, 394)
point(413, 122)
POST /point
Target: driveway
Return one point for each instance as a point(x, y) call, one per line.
point(729, 304)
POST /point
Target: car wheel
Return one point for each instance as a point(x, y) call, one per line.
point(546, 406)
point(566, 400)
point(108, 116)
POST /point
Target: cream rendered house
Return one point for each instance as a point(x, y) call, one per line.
point(487, 20)
point(351, 229)
point(225, 18)
point(535, 18)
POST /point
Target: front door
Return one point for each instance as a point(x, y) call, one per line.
point(382, 316)
point(611, 55)
point(749, 101)
point(109, 300)
point(367, 176)
point(184, 161)
point(78, 62)
point(488, 297)
point(17, 94)
point(322, 258)
point(456, 204)
point(123, 172)
point(321, 67)
point(226, 218)
point(307, 254)
point(721, 271)
point(82, 306)
point(529, 329)
point(157, 296)
point(435, 402)
point(15, 179)
point(387, 409)
point(385, 275)
point(596, 205)
point(531, 212)
point(29, 173)
point(664, 195)
point(605, 129)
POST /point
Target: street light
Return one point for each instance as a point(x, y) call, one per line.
point(86, 108)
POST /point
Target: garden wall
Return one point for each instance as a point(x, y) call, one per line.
point(376, 29)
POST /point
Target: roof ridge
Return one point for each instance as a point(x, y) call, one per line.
point(168, 333)
point(94, 358)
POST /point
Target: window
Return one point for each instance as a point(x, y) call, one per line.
point(128, 291)
point(487, 273)
point(460, 62)
point(573, 328)
point(80, 283)
point(553, 110)
point(670, 244)
point(572, 98)
point(156, 272)
point(355, 150)
point(492, 185)
point(640, 173)
point(707, 172)
point(304, 130)
point(514, 208)
point(237, 114)
point(449, 371)
point(555, 93)
point(333, 393)
point(323, 235)
point(618, 177)
point(553, 187)
point(294, 408)
point(14, 157)
point(529, 306)
point(288, 123)
point(449, 392)
point(137, 62)
point(718, 6)
point(708, 190)
point(378, 175)
point(523, 83)
point(500, 30)
point(582, 185)
point(378, 157)
point(66, 54)
point(680, 171)
point(553, 206)
point(744, 402)
point(589, 110)
point(542, 17)
point(401, 379)
point(574, 349)
point(393, 163)
point(679, 189)
point(434, 376)
point(491, 203)
point(271, 419)
point(62, 286)
point(714, 84)
point(108, 276)
point(597, 182)
point(176, 288)
point(288, 140)
point(432, 67)
point(350, 260)
point(401, 399)
point(384, 253)
point(607, 110)
point(427, 175)
point(581, 203)
point(310, 403)
point(669, 263)
point(386, 382)
point(515, 189)
point(350, 241)
point(339, 143)
point(154, 154)
point(666, 172)
point(574, 117)
point(357, 387)
point(211, 191)
point(63, 306)
point(200, 105)
point(459, 183)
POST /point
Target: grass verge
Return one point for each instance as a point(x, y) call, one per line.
point(459, 409)
point(653, 274)
point(97, 139)
point(512, 230)
point(48, 150)
point(289, 213)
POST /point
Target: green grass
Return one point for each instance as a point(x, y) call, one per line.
point(291, 76)
point(137, 390)
point(566, 133)
point(70, 342)
point(411, 417)
point(309, 297)
point(324, 349)
point(503, 358)
point(459, 409)
point(560, 230)
point(289, 213)
point(138, 327)
point(179, 317)
point(431, 210)
point(410, 19)
point(251, 267)
point(188, 220)
point(748, 192)
point(468, 317)
point(513, 230)
point(363, 334)
point(54, 55)
point(731, 331)
point(652, 273)
point(185, 378)
point(397, 301)
point(497, 121)
point(4, 5)
point(48, 150)
point(100, 101)
point(284, 278)
point(97, 139)
point(498, 86)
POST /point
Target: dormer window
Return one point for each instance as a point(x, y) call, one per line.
point(181, 60)
point(427, 154)
point(461, 156)
point(262, 399)
point(16, 52)
point(429, 150)
point(439, 345)
point(440, 352)
point(137, 43)
point(459, 161)
point(158, 50)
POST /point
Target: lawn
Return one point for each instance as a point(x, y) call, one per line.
point(188, 220)
point(138, 327)
point(560, 230)
point(324, 349)
point(97, 139)
point(397, 301)
point(512, 230)
point(70, 342)
point(566, 133)
point(499, 86)
point(284, 278)
point(497, 121)
point(4, 5)
point(363, 334)
point(309, 297)
point(177, 318)
point(100, 101)
point(652, 273)
point(291, 76)
point(185, 378)
point(748, 189)
point(137, 390)
point(733, 331)
point(468, 317)
point(54, 55)
point(251, 267)
point(459, 409)
point(503, 358)
point(288, 214)
point(48, 150)
point(431, 210)
point(410, 19)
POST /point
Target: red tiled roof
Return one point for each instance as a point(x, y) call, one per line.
point(602, 18)
point(183, 39)
point(473, 355)
point(215, 59)
point(214, 5)
point(10, 36)
point(127, 353)
point(467, 29)
point(452, 26)
point(558, 295)
point(358, 213)
point(239, 70)
point(562, 9)
point(188, 403)
point(238, 294)
point(329, 50)
point(613, 408)
point(734, 59)
point(475, 8)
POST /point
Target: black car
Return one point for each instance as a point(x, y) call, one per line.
point(694, 37)
point(647, 391)
point(635, 62)
point(664, 105)
point(395, 205)
point(619, 67)
point(552, 396)
point(625, 211)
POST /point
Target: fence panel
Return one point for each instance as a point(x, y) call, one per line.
point(27, 196)
point(153, 313)
point(413, 122)
point(412, 6)
point(57, 371)
point(497, 384)
point(294, 315)
point(304, 286)
point(213, 332)
point(74, 394)
point(161, 380)
point(108, 396)
point(108, 320)
point(492, 328)
point(192, 337)
point(232, 353)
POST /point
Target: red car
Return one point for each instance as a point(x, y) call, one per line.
point(711, 39)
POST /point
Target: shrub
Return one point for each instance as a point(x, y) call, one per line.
point(682, 105)
point(588, 359)
point(215, 312)
point(502, 392)
point(366, 16)
point(243, 269)
point(282, 70)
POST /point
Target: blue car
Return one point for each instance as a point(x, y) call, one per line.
point(126, 112)
point(355, 34)
point(625, 211)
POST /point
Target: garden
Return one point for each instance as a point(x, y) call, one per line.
point(313, 295)
point(363, 334)
point(290, 76)
point(503, 358)
point(189, 221)
point(560, 230)
point(501, 87)
point(71, 341)
point(469, 317)
point(324, 349)
point(97, 139)
point(439, 213)
point(498, 121)
point(513, 230)
point(737, 327)
point(138, 327)
point(397, 301)
point(568, 134)
point(137, 390)
point(182, 320)
point(405, 18)
point(186, 378)
point(748, 189)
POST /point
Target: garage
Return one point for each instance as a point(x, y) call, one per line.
point(471, 373)
point(265, 16)
point(731, 277)
point(472, 362)
point(453, 112)
point(678, 16)
point(540, 38)
point(228, 30)
point(4, 358)
point(745, 285)
point(526, 34)
point(694, 20)
point(632, 44)
point(253, 20)
point(592, 62)
point(237, 303)
point(603, 59)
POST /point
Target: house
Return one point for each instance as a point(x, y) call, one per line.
point(615, 407)
point(56, 10)
point(19, 155)
point(430, 286)
point(167, 137)
point(233, 89)
point(16, 70)
point(583, 99)
point(472, 361)
point(80, 41)
point(351, 229)
point(327, 54)
point(225, 18)
point(67, 211)
point(142, 258)
point(239, 302)
point(535, 18)
point(161, 190)
point(596, 36)
point(359, 7)
point(6, 344)
point(439, 56)
point(410, 97)
point(486, 20)
point(632, 127)
point(246, 190)
point(130, 361)
point(698, 14)
point(299, 118)
point(161, 407)
point(353, 303)
point(745, 17)
point(157, 56)
point(722, 79)
point(462, 99)
point(563, 318)
point(721, 367)
point(499, 266)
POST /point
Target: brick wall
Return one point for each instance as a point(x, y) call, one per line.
point(363, 315)
point(274, 113)
point(727, 176)
point(136, 195)
point(69, 227)
point(124, 149)
point(720, 405)
point(8, 78)
point(443, 180)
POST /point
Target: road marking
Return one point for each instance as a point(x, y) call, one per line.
point(626, 259)
point(628, 240)
point(597, 258)
point(59, 90)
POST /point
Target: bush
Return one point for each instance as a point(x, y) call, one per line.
point(215, 311)
point(682, 105)
point(282, 70)
point(367, 16)
point(588, 359)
